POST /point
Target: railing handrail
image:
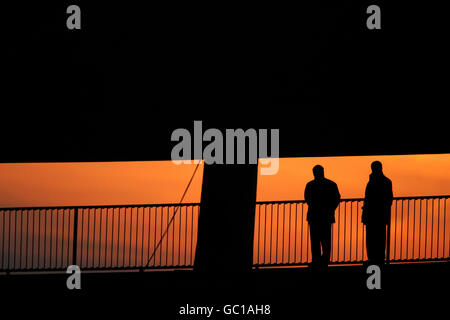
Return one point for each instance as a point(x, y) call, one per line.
point(188, 204)
point(356, 199)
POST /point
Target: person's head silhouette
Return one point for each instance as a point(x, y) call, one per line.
point(318, 172)
point(377, 167)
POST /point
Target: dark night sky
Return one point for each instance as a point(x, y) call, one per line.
point(117, 88)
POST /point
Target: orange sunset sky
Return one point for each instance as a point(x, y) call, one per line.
point(141, 182)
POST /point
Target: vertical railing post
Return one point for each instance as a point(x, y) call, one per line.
point(75, 237)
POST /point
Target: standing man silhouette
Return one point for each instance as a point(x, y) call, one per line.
point(322, 196)
point(377, 213)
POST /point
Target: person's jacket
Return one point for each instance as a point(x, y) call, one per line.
point(378, 200)
point(322, 197)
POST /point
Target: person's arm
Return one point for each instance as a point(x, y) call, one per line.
point(308, 194)
point(337, 197)
point(390, 198)
point(308, 201)
point(364, 208)
point(335, 203)
point(390, 194)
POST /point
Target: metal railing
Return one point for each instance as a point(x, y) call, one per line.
point(133, 236)
point(98, 237)
point(419, 231)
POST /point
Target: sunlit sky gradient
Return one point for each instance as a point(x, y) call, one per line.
point(104, 183)
point(97, 183)
point(411, 175)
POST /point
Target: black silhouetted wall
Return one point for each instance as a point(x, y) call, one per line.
point(227, 218)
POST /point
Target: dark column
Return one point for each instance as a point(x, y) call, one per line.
point(226, 221)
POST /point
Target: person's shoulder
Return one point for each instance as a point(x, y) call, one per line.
point(331, 182)
point(310, 183)
point(387, 180)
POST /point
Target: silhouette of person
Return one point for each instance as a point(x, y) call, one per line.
point(377, 213)
point(322, 196)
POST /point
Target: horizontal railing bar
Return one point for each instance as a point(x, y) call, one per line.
point(280, 202)
point(281, 264)
point(421, 197)
point(97, 269)
point(195, 204)
point(103, 206)
point(292, 264)
point(101, 268)
point(347, 262)
point(420, 260)
point(357, 199)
